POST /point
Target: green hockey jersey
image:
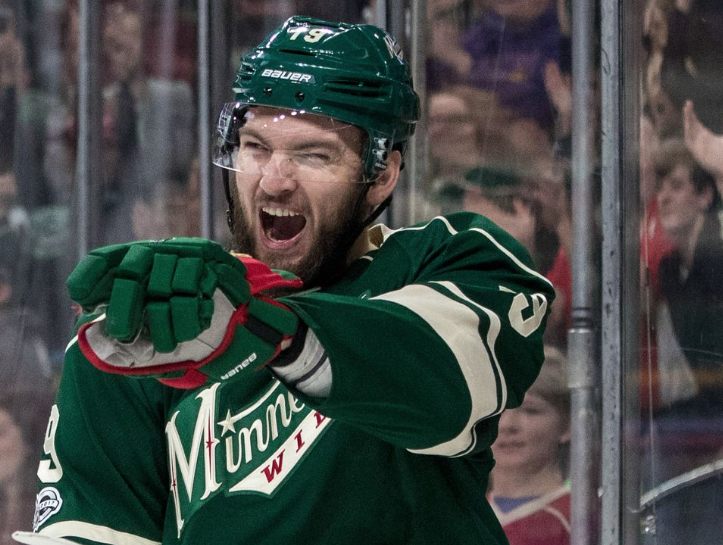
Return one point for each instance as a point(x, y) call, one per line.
point(429, 338)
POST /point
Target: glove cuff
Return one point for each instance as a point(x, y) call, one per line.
point(293, 352)
point(305, 367)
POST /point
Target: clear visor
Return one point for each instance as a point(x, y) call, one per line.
point(261, 142)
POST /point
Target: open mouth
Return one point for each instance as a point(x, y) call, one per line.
point(281, 224)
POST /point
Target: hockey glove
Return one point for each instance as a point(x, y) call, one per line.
point(181, 310)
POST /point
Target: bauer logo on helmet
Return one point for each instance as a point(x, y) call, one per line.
point(291, 76)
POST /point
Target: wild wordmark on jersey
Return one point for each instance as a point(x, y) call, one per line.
point(214, 447)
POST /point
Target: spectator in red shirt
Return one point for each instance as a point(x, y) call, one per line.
point(529, 492)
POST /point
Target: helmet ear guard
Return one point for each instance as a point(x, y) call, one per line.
point(227, 137)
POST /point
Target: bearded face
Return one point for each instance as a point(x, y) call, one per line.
point(328, 243)
point(297, 193)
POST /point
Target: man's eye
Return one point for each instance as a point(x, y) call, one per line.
point(315, 158)
point(254, 148)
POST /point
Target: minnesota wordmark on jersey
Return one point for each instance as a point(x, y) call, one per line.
point(213, 448)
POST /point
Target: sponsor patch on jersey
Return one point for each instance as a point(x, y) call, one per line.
point(298, 77)
point(47, 503)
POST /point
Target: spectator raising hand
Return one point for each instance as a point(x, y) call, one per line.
point(444, 45)
point(706, 146)
point(559, 90)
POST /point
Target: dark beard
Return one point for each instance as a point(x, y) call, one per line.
point(323, 265)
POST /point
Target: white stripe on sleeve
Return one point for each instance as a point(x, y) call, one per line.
point(458, 326)
point(85, 530)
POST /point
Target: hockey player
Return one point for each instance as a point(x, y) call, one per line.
point(359, 408)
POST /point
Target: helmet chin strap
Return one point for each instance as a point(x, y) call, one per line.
point(376, 212)
point(337, 261)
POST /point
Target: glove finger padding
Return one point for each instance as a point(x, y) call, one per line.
point(186, 311)
point(91, 281)
point(176, 278)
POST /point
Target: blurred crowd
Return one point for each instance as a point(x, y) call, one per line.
point(499, 143)
point(681, 183)
point(148, 188)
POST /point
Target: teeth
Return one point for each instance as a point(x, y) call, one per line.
point(279, 212)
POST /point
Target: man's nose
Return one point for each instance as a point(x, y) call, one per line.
point(278, 175)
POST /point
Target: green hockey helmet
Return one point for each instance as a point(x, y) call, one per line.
point(353, 73)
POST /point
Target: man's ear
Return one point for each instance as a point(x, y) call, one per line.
point(386, 181)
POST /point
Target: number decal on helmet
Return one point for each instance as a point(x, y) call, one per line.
point(313, 35)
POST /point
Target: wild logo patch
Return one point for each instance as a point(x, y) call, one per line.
point(216, 447)
point(47, 503)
